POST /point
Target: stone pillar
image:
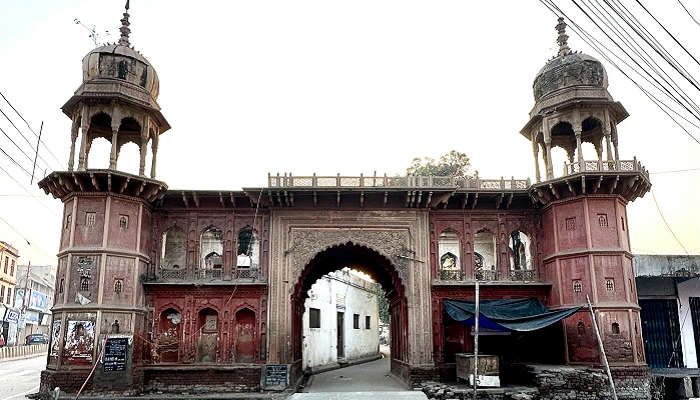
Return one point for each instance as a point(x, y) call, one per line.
point(614, 140)
point(535, 150)
point(84, 145)
point(142, 160)
point(579, 151)
point(607, 145)
point(73, 138)
point(548, 147)
point(154, 150)
point(599, 150)
point(114, 154)
point(606, 133)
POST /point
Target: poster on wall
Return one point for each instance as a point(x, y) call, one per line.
point(80, 339)
point(55, 337)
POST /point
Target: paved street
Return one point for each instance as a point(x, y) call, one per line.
point(371, 376)
point(20, 377)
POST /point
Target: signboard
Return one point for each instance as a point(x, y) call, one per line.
point(37, 300)
point(31, 317)
point(276, 376)
point(12, 316)
point(116, 350)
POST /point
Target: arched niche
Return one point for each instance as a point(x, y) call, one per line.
point(248, 249)
point(208, 331)
point(174, 249)
point(519, 251)
point(245, 336)
point(167, 343)
point(485, 246)
point(211, 249)
point(449, 255)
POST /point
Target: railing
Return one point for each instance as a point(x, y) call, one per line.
point(487, 275)
point(196, 274)
point(410, 181)
point(604, 166)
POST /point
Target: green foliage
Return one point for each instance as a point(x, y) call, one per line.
point(383, 305)
point(453, 163)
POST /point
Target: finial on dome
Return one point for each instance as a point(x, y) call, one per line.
point(124, 39)
point(563, 37)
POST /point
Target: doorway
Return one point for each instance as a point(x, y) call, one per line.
point(341, 333)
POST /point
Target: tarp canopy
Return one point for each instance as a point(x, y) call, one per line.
point(508, 314)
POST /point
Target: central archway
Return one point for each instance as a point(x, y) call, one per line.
point(374, 264)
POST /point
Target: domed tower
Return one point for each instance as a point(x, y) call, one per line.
point(105, 246)
point(117, 101)
point(572, 105)
point(584, 238)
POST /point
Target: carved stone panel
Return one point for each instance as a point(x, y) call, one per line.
point(392, 244)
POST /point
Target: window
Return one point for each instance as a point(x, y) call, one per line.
point(2, 292)
point(118, 286)
point(610, 284)
point(356, 321)
point(68, 221)
point(61, 285)
point(9, 295)
point(449, 253)
point(7, 260)
point(519, 246)
point(314, 318)
point(84, 284)
point(367, 322)
point(622, 220)
point(123, 222)
point(122, 70)
point(90, 219)
point(603, 220)
point(615, 328)
point(248, 254)
point(581, 328)
point(577, 286)
point(571, 224)
point(12, 268)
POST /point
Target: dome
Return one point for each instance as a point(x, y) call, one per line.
point(118, 61)
point(568, 70)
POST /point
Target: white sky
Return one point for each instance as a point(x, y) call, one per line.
point(252, 87)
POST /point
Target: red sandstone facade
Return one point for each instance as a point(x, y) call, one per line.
point(208, 286)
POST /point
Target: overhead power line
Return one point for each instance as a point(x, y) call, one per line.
point(688, 12)
point(24, 137)
point(607, 54)
point(30, 128)
point(666, 223)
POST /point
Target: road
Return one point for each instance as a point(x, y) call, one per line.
point(20, 377)
point(371, 376)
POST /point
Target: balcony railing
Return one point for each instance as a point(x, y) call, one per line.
point(411, 181)
point(189, 274)
point(604, 166)
point(488, 275)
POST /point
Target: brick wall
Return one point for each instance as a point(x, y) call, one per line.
point(201, 380)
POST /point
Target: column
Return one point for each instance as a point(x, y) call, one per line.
point(154, 150)
point(535, 150)
point(84, 128)
point(113, 155)
point(579, 152)
point(73, 138)
point(606, 133)
point(614, 140)
point(142, 160)
point(548, 147)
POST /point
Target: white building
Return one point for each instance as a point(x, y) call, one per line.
point(340, 321)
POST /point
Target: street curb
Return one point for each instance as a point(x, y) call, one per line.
point(2, 360)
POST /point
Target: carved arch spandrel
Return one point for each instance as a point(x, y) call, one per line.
point(392, 244)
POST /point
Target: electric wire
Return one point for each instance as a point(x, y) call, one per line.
point(16, 145)
point(669, 33)
point(666, 223)
point(20, 234)
point(24, 137)
point(15, 162)
point(30, 128)
point(633, 45)
point(28, 192)
point(589, 39)
point(688, 12)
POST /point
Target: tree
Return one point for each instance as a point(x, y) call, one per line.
point(453, 163)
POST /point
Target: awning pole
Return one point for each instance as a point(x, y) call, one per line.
point(476, 336)
point(602, 349)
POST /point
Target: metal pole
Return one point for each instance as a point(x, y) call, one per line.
point(24, 298)
point(602, 349)
point(37, 152)
point(476, 336)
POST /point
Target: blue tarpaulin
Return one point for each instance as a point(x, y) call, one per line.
point(508, 314)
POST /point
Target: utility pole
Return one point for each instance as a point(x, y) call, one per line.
point(476, 334)
point(602, 349)
point(24, 300)
point(37, 152)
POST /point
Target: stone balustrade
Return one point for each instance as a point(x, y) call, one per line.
point(288, 180)
point(605, 166)
point(195, 274)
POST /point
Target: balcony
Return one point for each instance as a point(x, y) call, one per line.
point(397, 182)
point(203, 276)
point(605, 166)
point(488, 275)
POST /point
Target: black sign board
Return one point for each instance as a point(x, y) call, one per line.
point(114, 358)
point(276, 375)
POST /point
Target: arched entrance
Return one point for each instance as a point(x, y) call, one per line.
point(374, 264)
